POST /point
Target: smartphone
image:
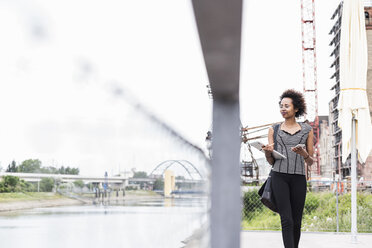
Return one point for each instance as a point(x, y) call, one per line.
point(300, 145)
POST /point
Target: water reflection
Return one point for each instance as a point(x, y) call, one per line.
point(158, 223)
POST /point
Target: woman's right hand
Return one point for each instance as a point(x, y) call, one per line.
point(268, 149)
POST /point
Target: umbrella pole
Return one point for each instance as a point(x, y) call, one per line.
point(353, 184)
point(338, 185)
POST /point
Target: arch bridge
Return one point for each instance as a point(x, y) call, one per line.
point(192, 171)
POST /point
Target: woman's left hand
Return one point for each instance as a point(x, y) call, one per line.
point(299, 150)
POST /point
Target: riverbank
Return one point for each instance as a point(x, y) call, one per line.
point(141, 194)
point(130, 196)
point(29, 200)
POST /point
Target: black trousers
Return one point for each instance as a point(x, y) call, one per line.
point(290, 192)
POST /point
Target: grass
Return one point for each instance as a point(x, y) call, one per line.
point(141, 192)
point(28, 196)
point(264, 220)
point(319, 213)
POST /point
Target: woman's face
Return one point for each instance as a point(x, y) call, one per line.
point(286, 108)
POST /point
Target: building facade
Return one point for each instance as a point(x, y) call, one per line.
point(343, 169)
point(334, 130)
point(325, 148)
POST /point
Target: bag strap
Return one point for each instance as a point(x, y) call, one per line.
point(276, 128)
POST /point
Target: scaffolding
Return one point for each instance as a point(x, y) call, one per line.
point(342, 169)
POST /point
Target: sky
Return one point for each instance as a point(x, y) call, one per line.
point(64, 62)
point(272, 56)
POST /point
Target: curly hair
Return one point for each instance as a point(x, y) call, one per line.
point(298, 101)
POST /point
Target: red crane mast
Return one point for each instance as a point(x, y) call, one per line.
point(310, 87)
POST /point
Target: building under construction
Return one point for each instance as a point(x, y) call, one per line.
point(343, 169)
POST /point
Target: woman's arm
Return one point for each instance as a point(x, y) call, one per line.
point(309, 152)
point(270, 147)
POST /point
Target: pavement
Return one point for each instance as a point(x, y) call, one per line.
point(273, 239)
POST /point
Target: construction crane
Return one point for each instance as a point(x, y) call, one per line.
point(310, 87)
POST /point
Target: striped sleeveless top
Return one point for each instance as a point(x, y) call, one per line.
point(294, 163)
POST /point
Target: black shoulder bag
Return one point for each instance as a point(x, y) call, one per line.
point(265, 192)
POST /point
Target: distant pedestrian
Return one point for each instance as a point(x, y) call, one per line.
point(295, 141)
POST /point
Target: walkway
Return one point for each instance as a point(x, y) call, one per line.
point(271, 239)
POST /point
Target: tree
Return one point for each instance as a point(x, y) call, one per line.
point(79, 183)
point(140, 174)
point(159, 184)
point(30, 166)
point(62, 170)
point(68, 171)
point(46, 184)
point(75, 171)
point(11, 183)
point(26, 186)
point(12, 167)
point(49, 170)
point(15, 184)
point(34, 166)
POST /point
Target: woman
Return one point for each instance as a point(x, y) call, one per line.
point(289, 175)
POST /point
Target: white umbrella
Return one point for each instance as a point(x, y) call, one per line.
point(354, 116)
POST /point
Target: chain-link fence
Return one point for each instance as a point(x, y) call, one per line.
point(326, 209)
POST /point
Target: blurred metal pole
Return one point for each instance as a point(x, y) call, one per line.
point(353, 185)
point(219, 27)
point(225, 191)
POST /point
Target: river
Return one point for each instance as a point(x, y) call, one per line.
point(159, 223)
